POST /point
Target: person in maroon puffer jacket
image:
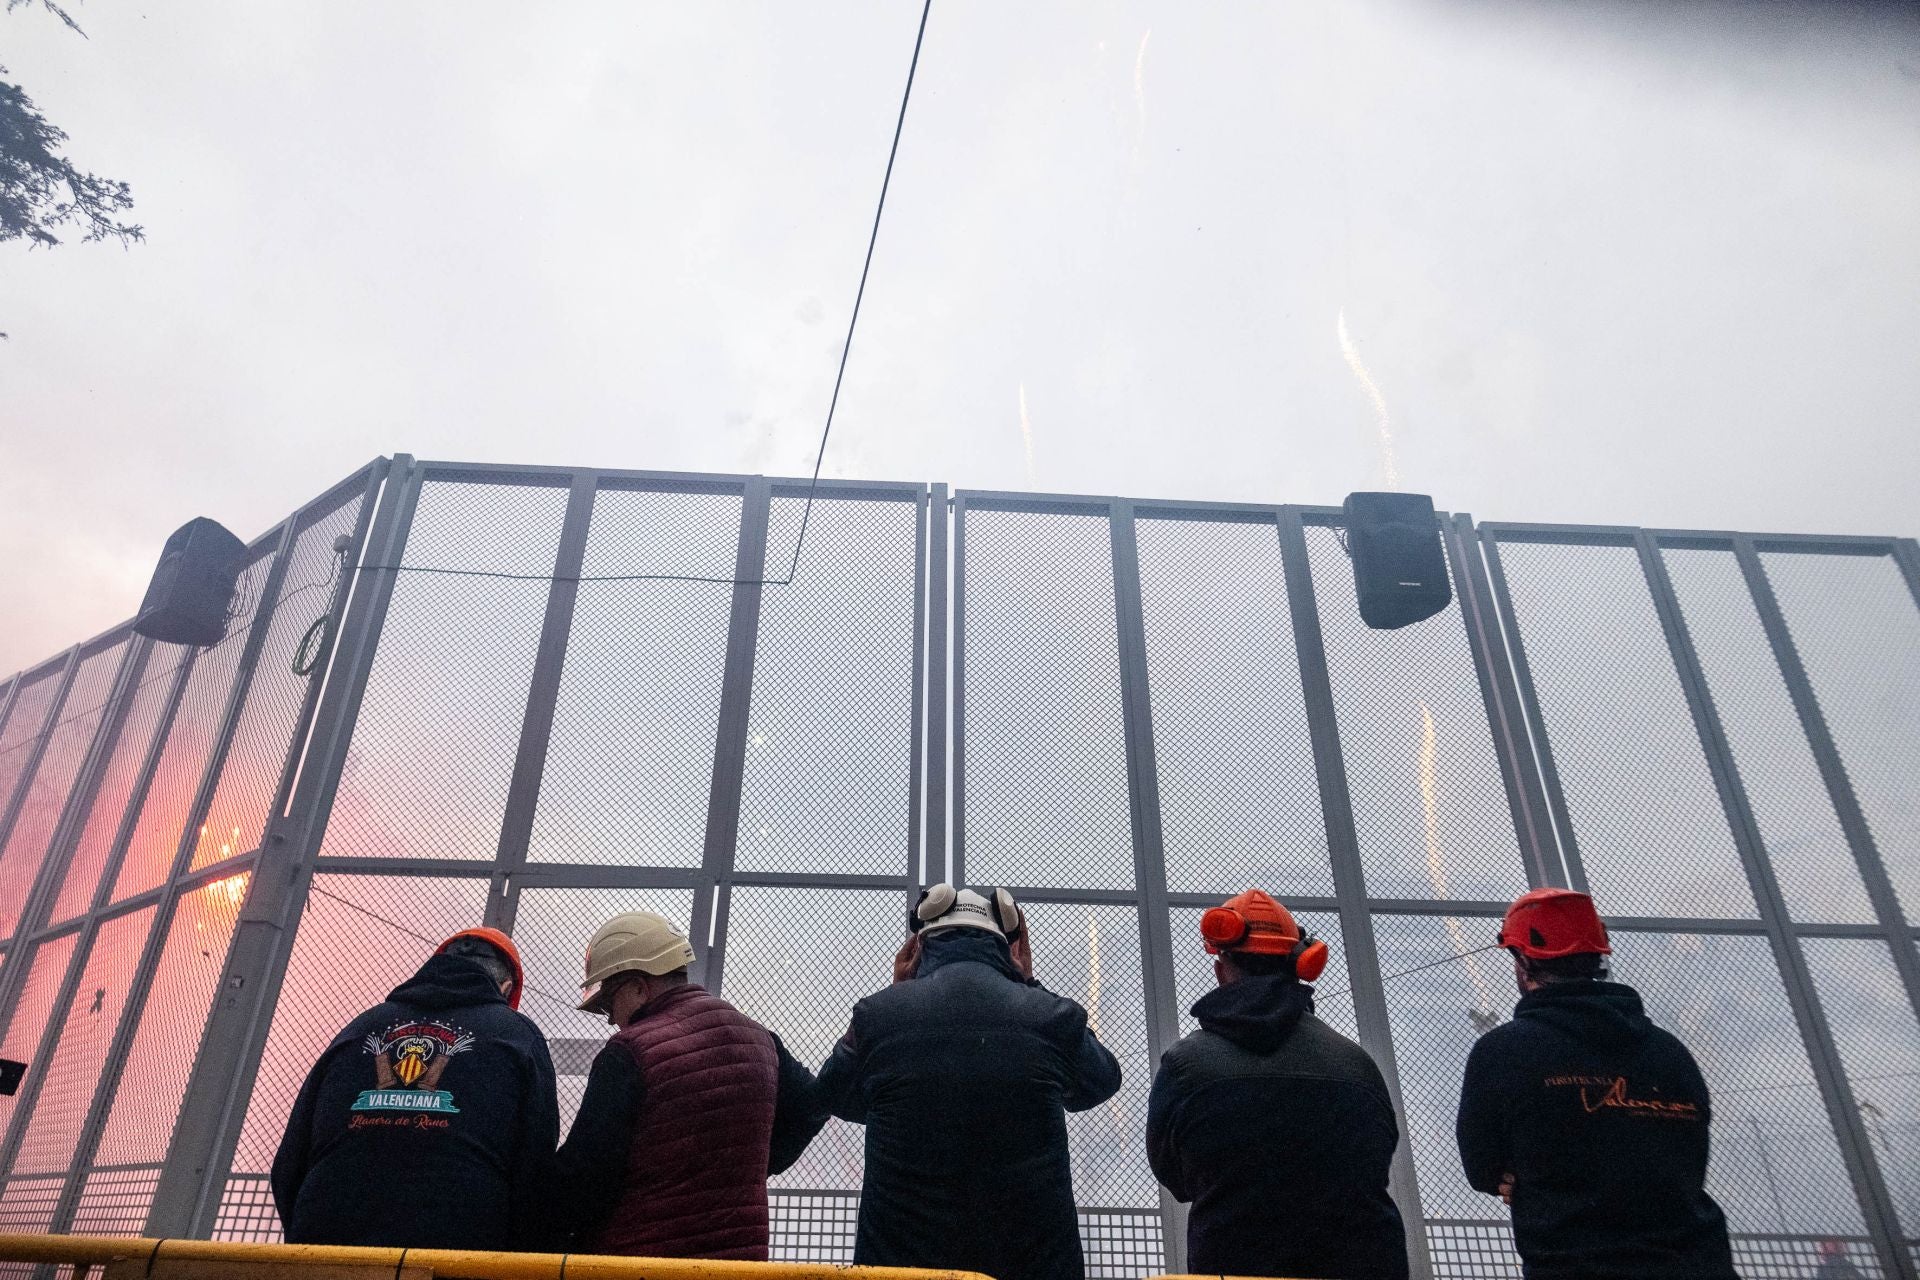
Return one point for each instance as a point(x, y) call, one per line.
point(687, 1110)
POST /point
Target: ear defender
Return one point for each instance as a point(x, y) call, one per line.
point(1006, 913)
point(1310, 961)
point(1221, 927)
point(935, 901)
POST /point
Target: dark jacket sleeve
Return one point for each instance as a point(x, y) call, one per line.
point(290, 1162)
point(1481, 1127)
point(1096, 1072)
point(1163, 1105)
point(534, 1159)
point(839, 1083)
point(797, 1113)
point(592, 1161)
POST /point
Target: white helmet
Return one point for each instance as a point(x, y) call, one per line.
point(632, 942)
point(944, 907)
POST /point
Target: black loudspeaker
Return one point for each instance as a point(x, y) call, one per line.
point(1399, 566)
point(187, 600)
point(11, 1074)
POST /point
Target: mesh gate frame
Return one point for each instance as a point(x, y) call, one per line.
point(235, 1030)
point(1895, 1249)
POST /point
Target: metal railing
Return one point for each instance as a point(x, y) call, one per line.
point(1122, 709)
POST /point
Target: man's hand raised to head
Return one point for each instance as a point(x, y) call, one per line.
point(907, 959)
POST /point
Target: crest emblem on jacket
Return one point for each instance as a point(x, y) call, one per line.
point(408, 1060)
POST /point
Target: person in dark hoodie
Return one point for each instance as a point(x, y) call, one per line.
point(1276, 1127)
point(963, 1072)
point(430, 1121)
point(1591, 1122)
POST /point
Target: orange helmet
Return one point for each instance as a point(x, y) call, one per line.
point(504, 945)
point(1546, 924)
point(1254, 923)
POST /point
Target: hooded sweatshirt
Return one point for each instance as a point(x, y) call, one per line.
point(429, 1122)
point(963, 1077)
point(1280, 1132)
point(1602, 1120)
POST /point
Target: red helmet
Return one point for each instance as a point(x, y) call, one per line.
point(504, 945)
point(1255, 923)
point(1546, 924)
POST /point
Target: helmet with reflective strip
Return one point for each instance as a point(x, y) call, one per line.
point(504, 945)
point(1546, 924)
point(1254, 923)
point(632, 942)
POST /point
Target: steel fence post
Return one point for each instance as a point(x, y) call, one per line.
point(1149, 852)
point(957, 639)
point(1833, 770)
point(11, 805)
point(1349, 874)
point(1519, 769)
point(543, 694)
point(934, 867)
point(1870, 1188)
point(730, 737)
point(917, 821)
point(1569, 844)
point(187, 1199)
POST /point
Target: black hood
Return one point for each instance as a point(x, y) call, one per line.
point(1608, 1014)
point(448, 982)
point(1255, 1013)
point(954, 946)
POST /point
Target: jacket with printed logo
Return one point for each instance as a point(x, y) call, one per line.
point(430, 1122)
point(1602, 1119)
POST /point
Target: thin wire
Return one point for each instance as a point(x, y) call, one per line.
point(1421, 968)
point(432, 942)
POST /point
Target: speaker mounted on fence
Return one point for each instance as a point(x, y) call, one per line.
point(187, 601)
point(1399, 565)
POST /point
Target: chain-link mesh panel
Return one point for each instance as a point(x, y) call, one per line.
point(1630, 762)
point(263, 734)
point(1092, 954)
point(1117, 1245)
point(811, 1226)
point(115, 1203)
point(140, 1121)
point(1193, 970)
point(1239, 799)
point(829, 732)
point(108, 806)
point(551, 927)
point(47, 970)
point(1429, 808)
point(1436, 1015)
point(453, 665)
point(1802, 835)
point(630, 758)
point(1857, 629)
point(1775, 1257)
point(1776, 1164)
point(191, 739)
point(32, 709)
point(78, 721)
point(776, 974)
point(359, 937)
point(1045, 763)
point(79, 1056)
point(26, 1208)
point(1467, 1249)
point(1879, 1041)
point(247, 1213)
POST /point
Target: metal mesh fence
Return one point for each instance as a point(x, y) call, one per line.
point(434, 718)
point(1856, 627)
point(1629, 758)
point(631, 753)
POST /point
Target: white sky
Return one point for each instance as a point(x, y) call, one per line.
point(1637, 263)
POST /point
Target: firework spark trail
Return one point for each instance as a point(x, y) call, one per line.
point(1436, 862)
point(1026, 435)
point(1388, 461)
point(1093, 972)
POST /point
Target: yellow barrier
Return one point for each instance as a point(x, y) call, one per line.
point(136, 1259)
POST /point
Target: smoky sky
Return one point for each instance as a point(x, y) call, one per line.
point(1616, 263)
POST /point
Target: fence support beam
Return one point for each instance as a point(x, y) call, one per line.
point(1876, 1205)
point(1349, 876)
point(187, 1200)
point(934, 866)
